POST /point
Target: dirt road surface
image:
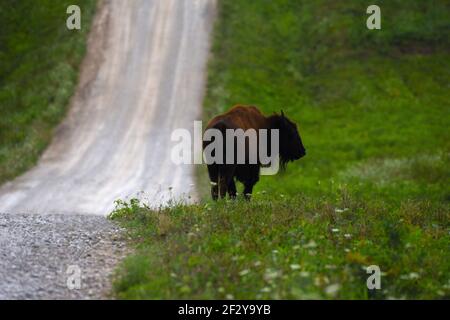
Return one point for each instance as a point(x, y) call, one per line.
point(143, 77)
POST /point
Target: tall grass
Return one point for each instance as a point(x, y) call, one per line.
point(39, 60)
point(373, 110)
point(358, 95)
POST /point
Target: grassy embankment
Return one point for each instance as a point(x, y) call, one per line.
point(39, 59)
point(373, 109)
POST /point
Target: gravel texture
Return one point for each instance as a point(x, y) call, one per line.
point(36, 252)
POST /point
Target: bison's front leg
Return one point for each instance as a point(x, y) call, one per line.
point(251, 179)
point(248, 189)
point(232, 189)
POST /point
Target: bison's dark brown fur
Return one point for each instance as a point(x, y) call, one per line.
point(223, 176)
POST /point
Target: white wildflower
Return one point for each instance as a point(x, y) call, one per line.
point(244, 272)
point(332, 289)
point(414, 275)
point(310, 244)
point(304, 274)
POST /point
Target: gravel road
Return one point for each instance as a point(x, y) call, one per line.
point(38, 254)
point(143, 76)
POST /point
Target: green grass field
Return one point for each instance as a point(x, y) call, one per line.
point(39, 59)
point(373, 110)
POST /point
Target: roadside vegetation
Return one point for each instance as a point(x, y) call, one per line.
point(373, 111)
point(39, 60)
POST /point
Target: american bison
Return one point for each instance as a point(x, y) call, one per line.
point(223, 174)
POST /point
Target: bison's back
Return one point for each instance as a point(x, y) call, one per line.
point(239, 117)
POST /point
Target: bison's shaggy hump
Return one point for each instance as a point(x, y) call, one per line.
point(223, 176)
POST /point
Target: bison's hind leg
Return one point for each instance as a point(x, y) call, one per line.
point(226, 174)
point(213, 172)
point(223, 186)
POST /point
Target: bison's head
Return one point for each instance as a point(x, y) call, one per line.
point(291, 145)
